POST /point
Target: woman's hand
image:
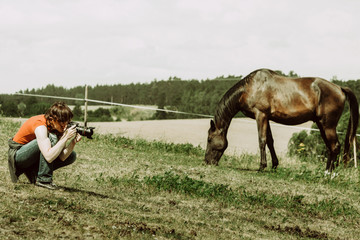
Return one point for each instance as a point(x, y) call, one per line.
point(77, 138)
point(69, 133)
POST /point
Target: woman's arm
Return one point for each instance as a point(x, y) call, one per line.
point(51, 153)
point(68, 150)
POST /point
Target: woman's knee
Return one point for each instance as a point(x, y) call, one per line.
point(71, 159)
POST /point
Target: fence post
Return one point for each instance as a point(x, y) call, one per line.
point(355, 160)
point(86, 103)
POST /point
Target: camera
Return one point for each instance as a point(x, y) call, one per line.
point(82, 130)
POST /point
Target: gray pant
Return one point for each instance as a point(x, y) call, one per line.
point(29, 155)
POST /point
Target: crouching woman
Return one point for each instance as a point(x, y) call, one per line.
point(41, 146)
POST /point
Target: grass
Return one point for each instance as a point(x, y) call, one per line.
point(123, 188)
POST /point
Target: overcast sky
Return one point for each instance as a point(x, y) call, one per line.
point(76, 42)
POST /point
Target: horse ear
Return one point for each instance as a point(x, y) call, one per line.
point(212, 125)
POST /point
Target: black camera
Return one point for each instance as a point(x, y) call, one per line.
point(82, 130)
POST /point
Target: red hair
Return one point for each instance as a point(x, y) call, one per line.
point(59, 112)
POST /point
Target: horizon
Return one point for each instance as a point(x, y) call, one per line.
point(172, 77)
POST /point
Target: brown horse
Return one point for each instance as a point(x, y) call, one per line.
point(265, 95)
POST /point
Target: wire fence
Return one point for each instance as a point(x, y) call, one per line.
point(159, 109)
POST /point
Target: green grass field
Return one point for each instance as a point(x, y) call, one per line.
point(133, 189)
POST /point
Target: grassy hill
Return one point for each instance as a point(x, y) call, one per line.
point(133, 189)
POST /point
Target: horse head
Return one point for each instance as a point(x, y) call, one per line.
point(216, 144)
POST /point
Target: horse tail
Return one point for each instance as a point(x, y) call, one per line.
point(353, 121)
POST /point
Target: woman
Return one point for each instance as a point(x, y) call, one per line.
point(41, 146)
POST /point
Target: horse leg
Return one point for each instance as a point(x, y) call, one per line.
point(270, 144)
point(334, 148)
point(331, 140)
point(262, 125)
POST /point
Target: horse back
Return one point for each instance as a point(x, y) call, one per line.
point(290, 100)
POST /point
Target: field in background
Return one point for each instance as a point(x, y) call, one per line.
point(124, 113)
point(120, 188)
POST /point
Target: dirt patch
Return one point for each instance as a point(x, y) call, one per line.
point(127, 228)
point(297, 231)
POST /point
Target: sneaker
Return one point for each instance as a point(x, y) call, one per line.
point(48, 185)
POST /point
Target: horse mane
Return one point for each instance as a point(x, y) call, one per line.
point(228, 106)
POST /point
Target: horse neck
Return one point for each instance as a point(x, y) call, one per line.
point(227, 108)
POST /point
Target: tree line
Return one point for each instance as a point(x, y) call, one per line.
point(193, 96)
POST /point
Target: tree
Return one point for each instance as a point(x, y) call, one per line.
point(21, 108)
point(100, 114)
point(10, 109)
point(38, 108)
point(293, 74)
point(161, 105)
point(77, 112)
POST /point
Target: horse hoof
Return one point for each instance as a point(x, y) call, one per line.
point(331, 174)
point(261, 169)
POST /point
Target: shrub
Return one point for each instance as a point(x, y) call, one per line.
point(310, 146)
point(307, 146)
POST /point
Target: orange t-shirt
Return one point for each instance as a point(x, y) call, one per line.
point(26, 132)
